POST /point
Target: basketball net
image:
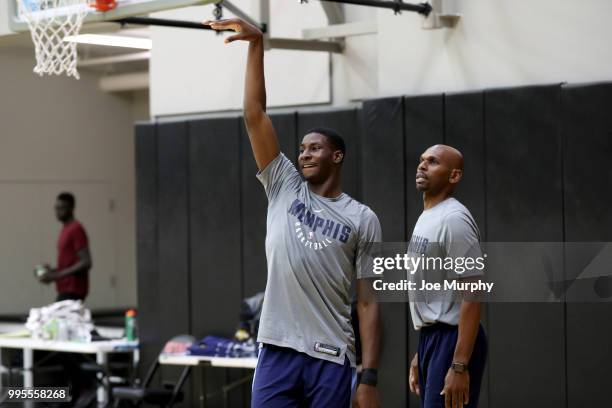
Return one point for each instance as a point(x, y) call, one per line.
point(50, 22)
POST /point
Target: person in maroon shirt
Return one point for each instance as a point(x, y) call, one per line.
point(71, 276)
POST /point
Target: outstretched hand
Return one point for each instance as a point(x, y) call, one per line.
point(245, 31)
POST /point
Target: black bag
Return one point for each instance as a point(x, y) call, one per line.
point(250, 313)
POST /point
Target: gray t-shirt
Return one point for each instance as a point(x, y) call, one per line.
point(446, 230)
point(315, 247)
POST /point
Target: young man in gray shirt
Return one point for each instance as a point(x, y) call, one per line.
point(447, 369)
point(316, 243)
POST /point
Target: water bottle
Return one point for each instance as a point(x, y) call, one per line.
point(130, 325)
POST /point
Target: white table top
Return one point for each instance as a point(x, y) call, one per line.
point(228, 362)
point(112, 332)
point(107, 346)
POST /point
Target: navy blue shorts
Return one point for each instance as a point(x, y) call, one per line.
point(287, 378)
point(436, 348)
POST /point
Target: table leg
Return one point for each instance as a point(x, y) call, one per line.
point(102, 360)
point(28, 373)
point(203, 396)
point(224, 390)
point(28, 364)
point(136, 357)
point(135, 362)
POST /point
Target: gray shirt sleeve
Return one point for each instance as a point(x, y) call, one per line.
point(461, 241)
point(369, 232)
point(278, 176)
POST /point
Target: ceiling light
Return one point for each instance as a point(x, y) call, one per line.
point(112, 41)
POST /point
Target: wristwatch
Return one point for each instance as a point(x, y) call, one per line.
point(459, 367)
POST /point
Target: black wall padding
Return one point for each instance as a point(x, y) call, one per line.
point(344, 122)
point(216, 233)
point(253, 208)
point(464, 130)
point(173, 230)
point(147, 250)
point(383, 188)
point(173, 236)
point(255, 204)
point(524, 203)
point(587, 131)
point(382, 159)
point(423, 127)
point(536, 170)
point(215, 238)
point(286, 126)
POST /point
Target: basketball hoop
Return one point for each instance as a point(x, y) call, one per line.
point(50, 22)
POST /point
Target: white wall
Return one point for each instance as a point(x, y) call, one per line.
point(194, 71)
point(61, 134)
point(4, 17)
point(496, 43)
point(355, 71)
point(4, 23)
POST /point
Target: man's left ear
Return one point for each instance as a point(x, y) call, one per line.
point(455, 176)
point(338, 156)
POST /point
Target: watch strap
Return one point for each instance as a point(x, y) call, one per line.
point(369, 376)
point(459, 367)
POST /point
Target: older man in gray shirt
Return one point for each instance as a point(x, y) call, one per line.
point(447, 370)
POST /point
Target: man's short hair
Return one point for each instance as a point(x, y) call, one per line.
point(333, 137)
point(68, 198)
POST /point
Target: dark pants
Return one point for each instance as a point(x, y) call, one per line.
point(436, 348)
point(285, 378)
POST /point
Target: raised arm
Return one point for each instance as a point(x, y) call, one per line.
point(259, 126)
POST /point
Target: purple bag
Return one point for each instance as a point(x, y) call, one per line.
point(214, 346)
